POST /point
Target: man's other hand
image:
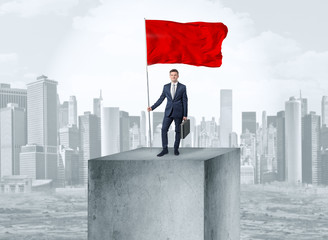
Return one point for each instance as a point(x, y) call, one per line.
point(184, 118)
point(149, 109)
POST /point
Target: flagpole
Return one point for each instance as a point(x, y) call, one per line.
point(147, 88)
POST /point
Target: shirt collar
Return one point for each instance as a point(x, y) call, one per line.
point(174, 83)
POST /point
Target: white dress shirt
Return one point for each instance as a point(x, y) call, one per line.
point(175, 88)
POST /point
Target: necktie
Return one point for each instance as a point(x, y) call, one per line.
point(173, 90)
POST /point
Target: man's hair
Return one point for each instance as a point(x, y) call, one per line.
point(174, 70)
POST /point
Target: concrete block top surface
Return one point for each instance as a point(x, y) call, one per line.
point(147, 153)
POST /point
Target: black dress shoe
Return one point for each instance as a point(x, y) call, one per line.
point(164, 151)
point(176, 152)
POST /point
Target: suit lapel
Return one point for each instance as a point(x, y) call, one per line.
point(169, 90)
point(176, 91)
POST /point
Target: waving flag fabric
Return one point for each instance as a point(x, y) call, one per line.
point(194, 43)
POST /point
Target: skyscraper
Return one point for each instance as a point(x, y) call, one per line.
point(304, 105)
point(41, 150)
point(97, 104)
point(110, 130)
point(225, 116)
point(324, 110)
point(272, 149)
point(97, 107)
point(63, 114)
point(124, 131)
point(69, 165)
point(293, 136)
point(12, 95)
point(72, 111)
point(324, 167)
point(272, 120)
point(89, 143)
point(69, 136)
point(311, 156)
point(13, 136)
point(281, 163)
point(42, 112)
point(264, 137)
point(249, 122)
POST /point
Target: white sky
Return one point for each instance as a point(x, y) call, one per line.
point(272, 50)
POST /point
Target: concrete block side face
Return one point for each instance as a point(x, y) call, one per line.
point(222, 197)
point(146, 200)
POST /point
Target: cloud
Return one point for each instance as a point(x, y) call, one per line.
point(8, 66)
point(306, 66)
point(107, 49)
point(32, 8)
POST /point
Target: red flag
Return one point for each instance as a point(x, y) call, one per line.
point(194, 43)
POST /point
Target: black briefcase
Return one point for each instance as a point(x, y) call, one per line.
point(185, 128)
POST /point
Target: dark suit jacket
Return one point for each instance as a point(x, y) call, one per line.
point(179, 105)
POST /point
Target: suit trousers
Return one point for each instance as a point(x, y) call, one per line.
point(167, 120)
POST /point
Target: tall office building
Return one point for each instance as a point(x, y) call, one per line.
point(249, 122)
point(41, 150)
point(69, 166)
point(281, 161)
point(89, 143)
point(311, 156)
point(324, 110)
point(13, 136)
point(293, 134)
point(324, 167)
point(304, 105)
point(272, 120)
point(97, 106)
point(69, 136)
point(304, 110)
point(42, 112)
point(12, 95)
point(110, 130)
point(124, 131)
point(264, 136)
point(225, 116)
point(63, 114)
point(324, 137)
point(134, 120)
point(72, 110)
point(272, 149)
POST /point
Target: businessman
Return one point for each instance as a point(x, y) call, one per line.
point(176, 109)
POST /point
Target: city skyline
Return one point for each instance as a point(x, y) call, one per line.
point(74, 92)
point(279, 147)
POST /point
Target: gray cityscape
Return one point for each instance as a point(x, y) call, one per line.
point(73, 94)
point(44, 143)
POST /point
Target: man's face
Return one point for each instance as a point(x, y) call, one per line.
point(174, 76)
